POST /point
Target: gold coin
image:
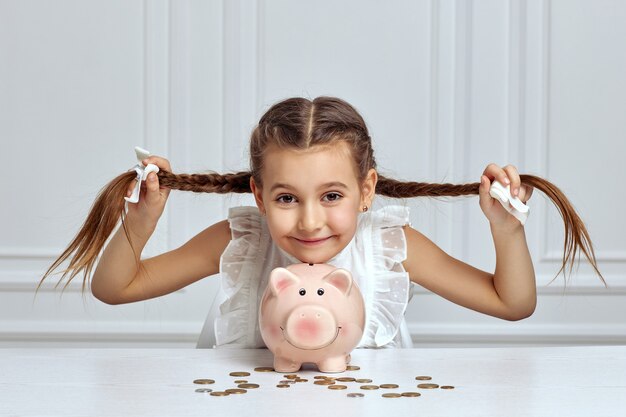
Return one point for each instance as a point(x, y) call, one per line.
point(301, 380)
point(369, 387)
point(389, 386)
point(352, 368)
point(282, 385)
point(423, 378)
point(248, 386)
point(291, 376)
point(355, 395)
point(219, 394)
point(236, 391)
point(427, 386)
point(204, 381)
point(324, 382)
point(320, 377)
point(392, 395)
point(204, 390)
point(264, 369)
point(239, 374)
point(446, 387)
point(287, 381)
point(346, 379)
point(330, 378)
point(241, 381)
point(411, 394)
point(337, 387)
point(363, 381)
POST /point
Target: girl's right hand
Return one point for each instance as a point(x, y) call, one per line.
point(144, 215)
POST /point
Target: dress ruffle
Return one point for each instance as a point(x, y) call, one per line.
point(374, 257)
point(389, 291)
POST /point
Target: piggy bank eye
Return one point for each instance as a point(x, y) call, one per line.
point(320, 291)
point(302, 291)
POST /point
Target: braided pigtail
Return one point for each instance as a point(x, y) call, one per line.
point(109, 209)
point(576, 236)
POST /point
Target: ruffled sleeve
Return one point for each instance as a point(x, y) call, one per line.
point(239, 266)
point(388, 288)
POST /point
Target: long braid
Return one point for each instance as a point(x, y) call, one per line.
point(207, 183)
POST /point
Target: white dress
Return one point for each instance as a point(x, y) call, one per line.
point(374, 257)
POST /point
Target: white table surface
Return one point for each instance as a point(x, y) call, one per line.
point(548, 381)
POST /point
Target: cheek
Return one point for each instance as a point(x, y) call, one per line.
point(343, 219)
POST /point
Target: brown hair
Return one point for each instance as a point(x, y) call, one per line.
point(301, 124)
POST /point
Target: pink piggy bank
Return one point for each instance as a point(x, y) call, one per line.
point(311, 313)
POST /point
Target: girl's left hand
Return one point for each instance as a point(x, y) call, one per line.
point(495, 213)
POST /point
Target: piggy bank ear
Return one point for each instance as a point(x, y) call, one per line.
point(281, 278)
point(340, 279)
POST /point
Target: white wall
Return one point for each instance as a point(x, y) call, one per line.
point(445, 86)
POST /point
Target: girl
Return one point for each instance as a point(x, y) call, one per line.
point(313, 176)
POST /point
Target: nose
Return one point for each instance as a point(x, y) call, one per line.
point(312, 218)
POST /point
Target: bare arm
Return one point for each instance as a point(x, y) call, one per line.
point(510, 293)
point(117, 279)
point(497, 295)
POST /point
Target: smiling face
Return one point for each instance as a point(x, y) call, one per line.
point(312, 199)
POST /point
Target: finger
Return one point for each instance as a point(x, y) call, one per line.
point(525, 192)
point(162, 163)
point(513, 176)
point(494, 172)
point(485, 199)
point(153, 194)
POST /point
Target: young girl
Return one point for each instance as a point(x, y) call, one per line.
point(313, 176)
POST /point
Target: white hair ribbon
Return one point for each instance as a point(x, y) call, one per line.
point(142, 173)
point(513, 205)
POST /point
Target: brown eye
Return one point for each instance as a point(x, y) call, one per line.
point(320, 291)
point(302, 291)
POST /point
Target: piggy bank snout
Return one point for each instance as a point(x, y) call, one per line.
point(311, 327)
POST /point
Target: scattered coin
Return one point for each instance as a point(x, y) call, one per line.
point(248, 386)
point(355, 395)
point(287, 382)
point(219, 394)
point(337, 387)
point(239, 374)
point(423, 378)
point(392, 395)
point(291, 376)
point(301, 380)
point(427, 386)
point(204, 381)
point(241, 381)
point(324, 382)
point(283, 386)
point(389, 386)
point(346, 379)
point(363, 381)
point(206, 390)
point(320, 377)
point(352, 368)
point(446, 387)
point(369, 387)
point(411, 394)
point(264, 369)
point(236, 391)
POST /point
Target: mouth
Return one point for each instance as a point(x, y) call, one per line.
point(312, 242)
point(317, 348)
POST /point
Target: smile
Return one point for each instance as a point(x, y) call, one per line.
point(312, 242)
point(317, 348)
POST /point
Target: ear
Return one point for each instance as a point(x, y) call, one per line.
point(281, 278)
point(368, 187)
point(340, 279)
point(258, 195)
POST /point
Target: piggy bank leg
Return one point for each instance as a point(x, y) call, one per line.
point(285, 365)
point(334, 364)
